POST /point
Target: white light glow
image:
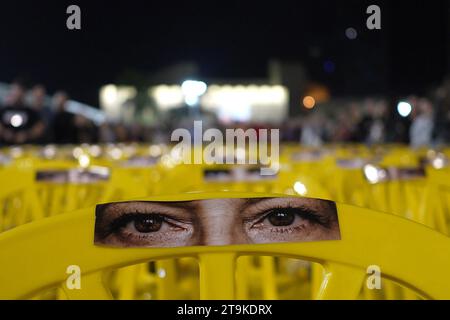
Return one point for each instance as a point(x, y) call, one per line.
point(162, 273)
point(95, 151)
point(229, 102)
point(109, 94)
point(404, 108)
point(77, 152)
point(155, 151)
point(438, 163)
point(372, 174)
point(84, 161)
point(177, 155)
point(168, 162)
point(49, 152)
point(193, 87)
point(115, 101)
point(300, 188)
point(191, 100)
point(244, 103)
point(167, 97)
point(116, 153)
point(16, 152)
point(16, 120)
point(192, 91)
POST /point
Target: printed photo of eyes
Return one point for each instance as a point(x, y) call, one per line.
point(215, 222)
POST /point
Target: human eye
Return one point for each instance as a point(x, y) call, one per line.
point(288, 219)
point(138, 226)
point(292, 221)
point(292, 217)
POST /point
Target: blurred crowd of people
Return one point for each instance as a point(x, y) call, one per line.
point(423, 121)
point(29, 117)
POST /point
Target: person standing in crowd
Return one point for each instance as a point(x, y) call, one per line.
point(19, 124)
point(363, 127)
point(291, 130)
point(38, 103)
point(86, 131)
point(442, 113)
point(421, 131)
point(312, 133)
point(377, 130)
point(355, 116)
point(64, 130)
point(341, 127)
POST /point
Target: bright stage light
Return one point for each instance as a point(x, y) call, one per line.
point(17, 120)
point(404, 108)
point(192, 91)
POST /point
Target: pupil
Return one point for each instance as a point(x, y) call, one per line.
point(280, 218)
point(148, 224)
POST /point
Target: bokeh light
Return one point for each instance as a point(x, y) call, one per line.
point(351, 33)
point(309, 102)
point(404, 108)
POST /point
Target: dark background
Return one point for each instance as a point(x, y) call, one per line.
point(228, 39)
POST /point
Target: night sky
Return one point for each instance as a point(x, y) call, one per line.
point(228, 39)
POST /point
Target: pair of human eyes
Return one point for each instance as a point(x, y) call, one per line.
point(278, 219)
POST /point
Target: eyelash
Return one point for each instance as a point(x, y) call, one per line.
point(123, 220)
point(304, 213)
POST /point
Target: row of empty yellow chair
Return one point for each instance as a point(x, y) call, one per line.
point(36, 256)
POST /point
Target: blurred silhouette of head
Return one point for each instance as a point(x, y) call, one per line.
point(38, 96)
point(16, 95)
point(425, 106)
point(59, 100)
point(382, 107)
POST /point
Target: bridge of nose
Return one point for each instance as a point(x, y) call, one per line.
point(218, 218)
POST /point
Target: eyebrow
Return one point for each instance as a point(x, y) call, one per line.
point(194, 203)
point(176, 204)
point(251, 201)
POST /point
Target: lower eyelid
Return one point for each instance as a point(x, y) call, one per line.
point(136, 236)
point(176, 221)
point(173, 225)
point(298, 224)
point(288, 229)
point(261, 217)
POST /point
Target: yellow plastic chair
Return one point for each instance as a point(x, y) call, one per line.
point(434, 209)
point(19, 201)
point(190, 178)
point(36, 256)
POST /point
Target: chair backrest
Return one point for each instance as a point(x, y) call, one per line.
point(36, 256)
